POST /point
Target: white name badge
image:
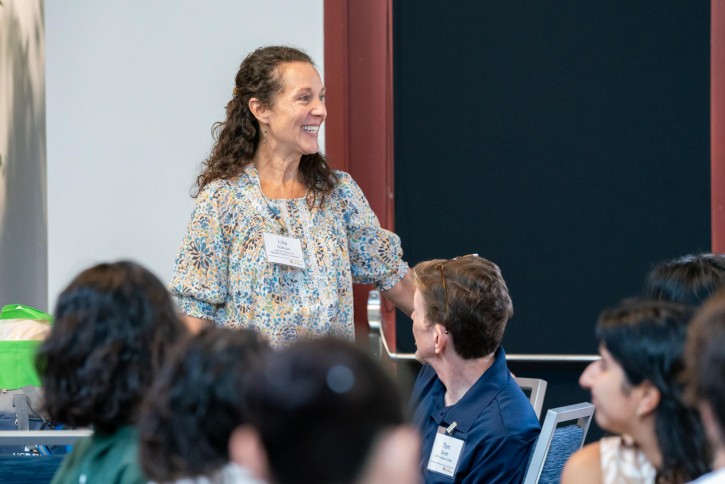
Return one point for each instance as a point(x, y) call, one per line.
point(284, 250)
point(445, 454)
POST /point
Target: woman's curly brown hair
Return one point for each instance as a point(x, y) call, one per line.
point(237, 138)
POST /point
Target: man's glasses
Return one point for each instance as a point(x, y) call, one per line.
point(443, 277)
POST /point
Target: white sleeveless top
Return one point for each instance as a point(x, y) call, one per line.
point(624, 463)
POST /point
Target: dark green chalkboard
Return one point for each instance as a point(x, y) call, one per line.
point(566, 140)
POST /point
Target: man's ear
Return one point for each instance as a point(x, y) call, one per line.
point(258, 110)
point(649, 400)
point(441, 338)
point(246, 449)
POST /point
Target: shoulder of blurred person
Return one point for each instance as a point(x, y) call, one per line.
point(584, 467)
point(103, 458)
point(229, 474)
point(609, 461)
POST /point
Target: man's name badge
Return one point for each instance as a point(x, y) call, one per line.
point(284, 250)
point(445, 454)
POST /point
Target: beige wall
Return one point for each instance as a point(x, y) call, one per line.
point(133, 88)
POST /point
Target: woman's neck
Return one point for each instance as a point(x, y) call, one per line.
point(646, 439)
point(279, 177)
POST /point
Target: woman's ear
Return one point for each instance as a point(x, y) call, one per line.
point(649, 400)
point(246, 450)
point(258, 110)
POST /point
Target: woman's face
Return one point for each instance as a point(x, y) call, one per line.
point(297, 112)
point(423, 330)
point(612, 395)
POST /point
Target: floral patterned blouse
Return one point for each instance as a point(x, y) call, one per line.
point(222, 272)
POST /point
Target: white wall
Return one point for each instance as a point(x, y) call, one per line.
point(133, 88)
point(23, 227)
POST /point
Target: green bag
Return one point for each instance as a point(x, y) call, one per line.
point(17, 358)
point(21, 311)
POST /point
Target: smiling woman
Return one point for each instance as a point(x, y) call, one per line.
point(277, 237)
point(290, 125)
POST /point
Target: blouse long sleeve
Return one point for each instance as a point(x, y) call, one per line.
point(376, 256)
point(200, 280)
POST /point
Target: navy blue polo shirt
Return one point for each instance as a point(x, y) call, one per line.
point(494, 418)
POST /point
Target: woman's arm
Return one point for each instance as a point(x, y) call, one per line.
point(401, 294)
point(194, 325)
point(200, 280)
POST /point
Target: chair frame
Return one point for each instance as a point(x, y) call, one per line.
point(581, 412)
point(537, 387)
point(42, 437)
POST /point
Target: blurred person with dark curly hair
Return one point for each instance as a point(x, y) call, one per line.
point(114, 325)
point(277, 237)
point(195, 404)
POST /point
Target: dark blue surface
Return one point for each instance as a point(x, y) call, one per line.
point(28, 469)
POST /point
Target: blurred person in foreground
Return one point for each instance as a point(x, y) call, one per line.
point(324, 411)
point(114, 327)
point(195, 404)
point(705, 379)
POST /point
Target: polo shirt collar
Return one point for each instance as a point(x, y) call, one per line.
point(465, 412)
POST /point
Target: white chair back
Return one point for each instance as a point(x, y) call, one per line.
point(536, 390)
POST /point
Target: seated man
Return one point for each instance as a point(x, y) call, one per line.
point(476, 423)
